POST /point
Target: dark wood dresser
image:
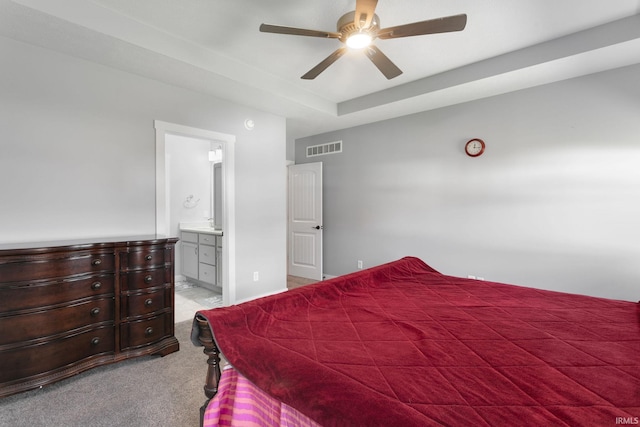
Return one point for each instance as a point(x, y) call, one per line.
point(66, 307)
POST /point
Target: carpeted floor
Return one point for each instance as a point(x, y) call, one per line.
point(147, 391)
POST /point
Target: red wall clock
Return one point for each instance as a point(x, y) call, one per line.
point(474, 147)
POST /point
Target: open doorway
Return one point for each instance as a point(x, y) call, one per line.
point(226, 142)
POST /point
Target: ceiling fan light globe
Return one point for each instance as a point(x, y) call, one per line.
point(359, 40)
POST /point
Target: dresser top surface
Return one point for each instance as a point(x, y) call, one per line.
point(89, 241)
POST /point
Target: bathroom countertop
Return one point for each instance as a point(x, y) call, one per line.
point(199, 228)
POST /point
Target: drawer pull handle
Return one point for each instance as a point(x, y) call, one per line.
point(148, 302)
point(95, 311)
point(148, 278)
point(148, 257)
point(96, 262)
point(96, 285)
point(148, 331)
point(95, 341)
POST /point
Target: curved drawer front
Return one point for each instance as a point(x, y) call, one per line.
point(45, 293)
point(146, 303)
point(43, 323)
point(61, 353)
point(48, 266)
point(142, 332)
point(152, 256)
point(145, 279)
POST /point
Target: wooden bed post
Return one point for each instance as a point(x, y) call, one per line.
point(205, 337)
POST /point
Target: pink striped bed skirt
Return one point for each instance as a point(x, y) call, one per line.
point(240, 403)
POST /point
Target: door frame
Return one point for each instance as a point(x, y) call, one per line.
point(228, 195)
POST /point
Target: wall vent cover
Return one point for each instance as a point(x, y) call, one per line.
point(324, 149)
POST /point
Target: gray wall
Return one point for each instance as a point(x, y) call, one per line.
point(77, 157)
point(553, 203)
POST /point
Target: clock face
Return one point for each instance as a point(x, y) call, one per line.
point(474, 147)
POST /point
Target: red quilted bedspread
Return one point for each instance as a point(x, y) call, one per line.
point(401, 344)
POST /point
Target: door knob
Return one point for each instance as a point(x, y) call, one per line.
point(318, 227)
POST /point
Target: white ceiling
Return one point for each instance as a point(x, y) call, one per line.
point(214, 46)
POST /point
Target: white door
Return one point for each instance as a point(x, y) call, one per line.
point(305, 220)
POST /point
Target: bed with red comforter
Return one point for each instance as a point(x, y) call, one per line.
point(401, 344)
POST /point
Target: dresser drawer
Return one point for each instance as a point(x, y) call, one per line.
point(146, 303)
point(145, 279)
point(56, 354)
point(207, 254)
point(42, 293)
point(43, 323)
point(151, 256)
point(142, 332)
point(56, 265)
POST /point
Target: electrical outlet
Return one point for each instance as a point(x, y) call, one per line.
point(256, 276)
point(360, 264)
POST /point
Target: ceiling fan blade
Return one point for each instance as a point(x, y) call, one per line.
point(315, 71)
point(432, 26)
point(384, 64)
point(365, 9)
point(268, 28)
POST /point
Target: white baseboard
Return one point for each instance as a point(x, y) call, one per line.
point(260, 296)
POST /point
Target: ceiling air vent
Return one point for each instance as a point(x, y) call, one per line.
point(323, 149)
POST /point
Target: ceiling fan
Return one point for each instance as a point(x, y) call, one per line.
point(358, 29)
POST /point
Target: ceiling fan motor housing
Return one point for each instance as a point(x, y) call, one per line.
point(346, 26)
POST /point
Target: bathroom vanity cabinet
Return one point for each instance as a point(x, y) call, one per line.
point(202, 256)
